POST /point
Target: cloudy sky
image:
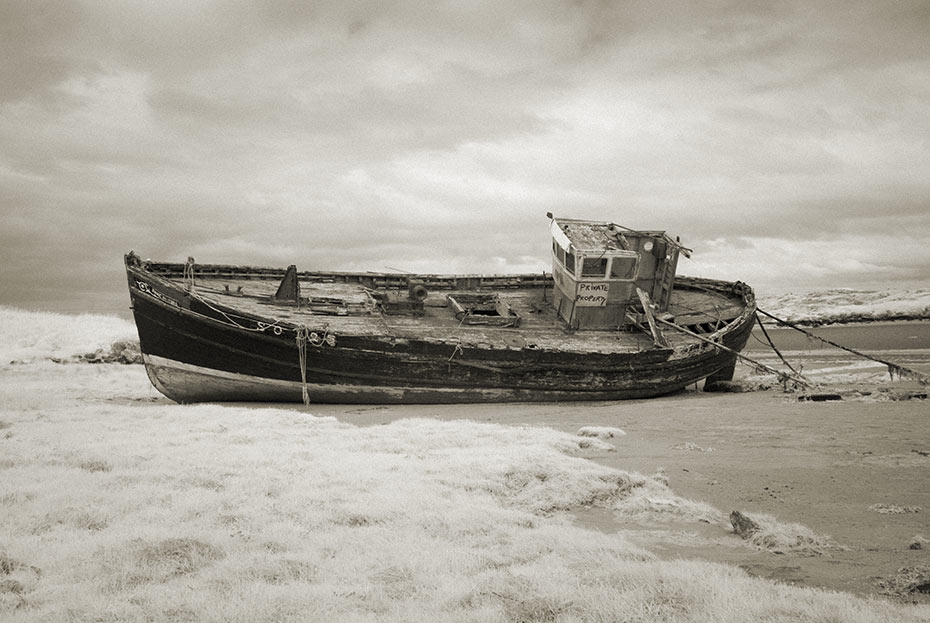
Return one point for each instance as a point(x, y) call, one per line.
point(785, 142)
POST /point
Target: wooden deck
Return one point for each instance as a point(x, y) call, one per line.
point(348, 308)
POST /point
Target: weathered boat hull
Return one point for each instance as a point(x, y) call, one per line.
point(196, 352)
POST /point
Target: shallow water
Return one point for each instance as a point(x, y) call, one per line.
point(867, 337)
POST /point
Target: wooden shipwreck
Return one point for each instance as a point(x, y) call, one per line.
point(610, 322)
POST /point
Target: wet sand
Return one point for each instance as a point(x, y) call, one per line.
point(822, 465)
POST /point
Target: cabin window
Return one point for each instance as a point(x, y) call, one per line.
point(558, 252)
point(570, 262)
point(623, 268)
point(594, 267)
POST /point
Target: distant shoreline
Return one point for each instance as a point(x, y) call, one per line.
point(850, 320)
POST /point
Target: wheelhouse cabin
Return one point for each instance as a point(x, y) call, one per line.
point(598, 269)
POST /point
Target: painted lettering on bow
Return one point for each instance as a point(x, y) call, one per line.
point(144, 287)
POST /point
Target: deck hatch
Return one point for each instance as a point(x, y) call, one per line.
point(482, 308)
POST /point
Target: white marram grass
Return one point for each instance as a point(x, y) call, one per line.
point(28, 336)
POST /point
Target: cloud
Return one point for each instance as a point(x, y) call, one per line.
point(354, 135)
point(776, 264)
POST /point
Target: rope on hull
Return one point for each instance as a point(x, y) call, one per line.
point(302, 338)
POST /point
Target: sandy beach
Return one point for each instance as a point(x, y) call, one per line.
point(107, 485)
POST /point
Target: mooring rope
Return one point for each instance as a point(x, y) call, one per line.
point(772, 345)
point(893, 368)
point(303, 335)
point(783, 377)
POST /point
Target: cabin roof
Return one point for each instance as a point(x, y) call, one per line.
point(600, 235)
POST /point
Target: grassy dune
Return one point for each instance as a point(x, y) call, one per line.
point(115, 509)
